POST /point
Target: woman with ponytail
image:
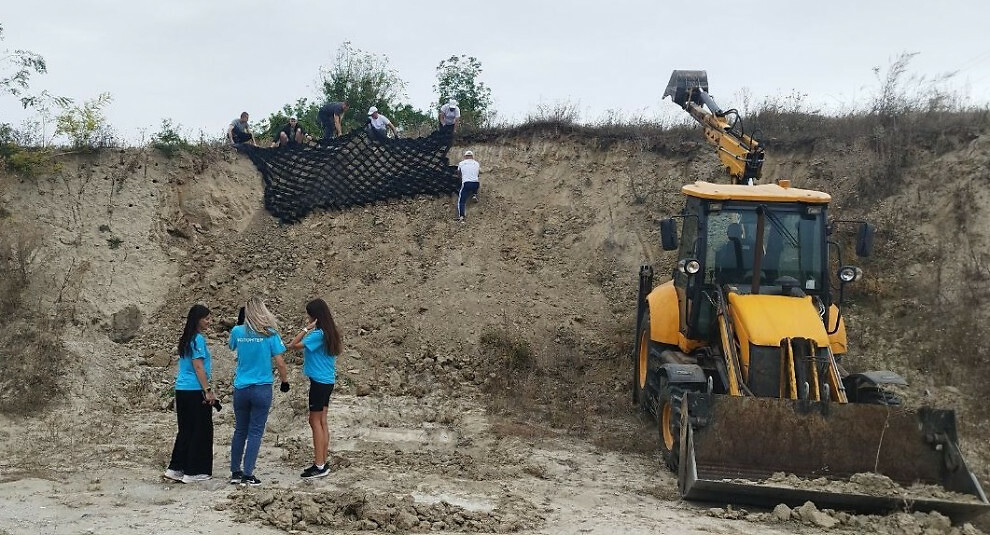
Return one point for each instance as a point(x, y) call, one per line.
point(320, 342)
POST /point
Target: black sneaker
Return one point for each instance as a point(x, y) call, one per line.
point(309, 471)
point(313, 472)
point(236, 477)
point(250, 480)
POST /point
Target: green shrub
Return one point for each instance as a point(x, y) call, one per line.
point(85, 125)
point(29, 163)
point(168, 140)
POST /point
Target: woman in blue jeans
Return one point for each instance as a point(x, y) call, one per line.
point(257, 344)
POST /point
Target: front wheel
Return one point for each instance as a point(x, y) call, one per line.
point(860, 390)
point(669, 409)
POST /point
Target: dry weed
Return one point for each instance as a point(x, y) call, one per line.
point(30, 348)
point(572, 385)
point(30, 360)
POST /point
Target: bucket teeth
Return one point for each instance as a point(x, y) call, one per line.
point(733, 445)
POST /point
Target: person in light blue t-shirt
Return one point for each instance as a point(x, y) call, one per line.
point(192, 454)
point(257, 344)
point(320, 343)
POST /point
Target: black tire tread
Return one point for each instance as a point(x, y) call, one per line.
point(670, 393)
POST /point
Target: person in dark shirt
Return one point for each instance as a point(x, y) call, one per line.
point(290, 134)
point(329, 117)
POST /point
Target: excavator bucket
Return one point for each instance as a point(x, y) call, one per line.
point(682, 83)
point(859, 457)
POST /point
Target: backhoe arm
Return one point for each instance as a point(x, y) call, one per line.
point(741, 155)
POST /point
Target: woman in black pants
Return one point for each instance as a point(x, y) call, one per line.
point(192, 454)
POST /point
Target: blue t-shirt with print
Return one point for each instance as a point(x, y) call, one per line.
point(318, 364)
point(254, 356)
point(186, 379)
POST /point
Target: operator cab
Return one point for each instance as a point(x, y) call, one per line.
point(723, 243)
point(789, 252)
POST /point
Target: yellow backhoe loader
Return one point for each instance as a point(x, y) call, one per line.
point(739, 356)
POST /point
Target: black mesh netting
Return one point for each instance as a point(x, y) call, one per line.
point(352, 170)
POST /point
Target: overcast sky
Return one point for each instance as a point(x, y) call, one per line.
point(202, 62)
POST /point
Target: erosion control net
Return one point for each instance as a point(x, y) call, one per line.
point(352, 170)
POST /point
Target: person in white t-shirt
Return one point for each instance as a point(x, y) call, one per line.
point(450, 115)
point(379, 125)
point(469, 168)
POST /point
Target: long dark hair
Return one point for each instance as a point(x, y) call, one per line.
point(196, 313)
point(318, 309)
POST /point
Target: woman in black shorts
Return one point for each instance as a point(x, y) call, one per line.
point(320, 342)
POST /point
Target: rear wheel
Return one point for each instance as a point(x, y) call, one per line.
point(641, 361)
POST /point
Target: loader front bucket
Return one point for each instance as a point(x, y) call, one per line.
point(681, 84)
point(766, 451)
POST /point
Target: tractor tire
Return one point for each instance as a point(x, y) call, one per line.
point(634, 365)
point(641, 362)
point(876, 395)
point(860, 391)
point(669, 421)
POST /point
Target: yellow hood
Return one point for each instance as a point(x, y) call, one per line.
point(765, 320)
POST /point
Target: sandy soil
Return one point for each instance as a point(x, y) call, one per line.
point(453, 475)
point(420, 442)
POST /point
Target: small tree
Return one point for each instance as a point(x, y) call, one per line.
point(169, 140)
point(362, 80)
point(16, 69)
point(86, 125)
point(457, 78)
point(410, 119)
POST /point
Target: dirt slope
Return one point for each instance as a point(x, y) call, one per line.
point(484, 382)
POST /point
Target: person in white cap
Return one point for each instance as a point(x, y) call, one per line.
point(290, 134)
point(379, 125)
point(450, 115)
point(469, 168)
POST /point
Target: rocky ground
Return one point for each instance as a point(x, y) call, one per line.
point(483, 386)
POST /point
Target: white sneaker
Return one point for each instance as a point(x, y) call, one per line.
point(195, 478)
point(174, 475)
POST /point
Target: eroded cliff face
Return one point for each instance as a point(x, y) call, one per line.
point(535, 293)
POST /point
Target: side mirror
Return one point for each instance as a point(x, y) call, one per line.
point(668, 234)
point(864, 240)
